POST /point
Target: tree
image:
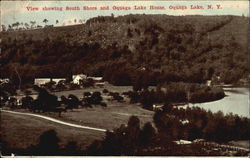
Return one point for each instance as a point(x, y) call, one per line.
point(129, 33)
point(4, 28)
point(45, 100)
point(17, 25)
point(95, 98)
point(167, 107)
point(27, 102)
point(32, 24)
point(48, 144)
point(9, 27)
point(26, 25)
point(122, 141)
point(120, 77)
point(45, 21)
point(147, 134)
point(73, 101)
point(147, 99)
point(18, 77)
point(141, 81)
point(71, 149)
point(80, 21)
point(167, 125)
point(14, 25)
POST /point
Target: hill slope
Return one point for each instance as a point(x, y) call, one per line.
point(170, 48)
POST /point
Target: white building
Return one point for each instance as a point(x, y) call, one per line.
point(182, 142)
point(42, 81)
point(77, 78)
point(97, 79)
point(209, 83)
point(4, 80)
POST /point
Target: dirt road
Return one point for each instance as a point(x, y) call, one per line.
point(55, 120)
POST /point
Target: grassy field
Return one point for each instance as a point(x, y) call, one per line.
point(22, 131)
point(109, 87)
point(115, 114)
point(110, 117)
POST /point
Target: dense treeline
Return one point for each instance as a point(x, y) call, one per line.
point(175, 93)
point(201, 124)
point(47, 102)
point(123, 49)
point(172, 124)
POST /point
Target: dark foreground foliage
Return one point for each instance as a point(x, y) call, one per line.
point(172, 124)
point(196, 123)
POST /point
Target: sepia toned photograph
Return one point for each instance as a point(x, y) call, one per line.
point(124, 78)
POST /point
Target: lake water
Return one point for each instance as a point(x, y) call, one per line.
point(236, 102)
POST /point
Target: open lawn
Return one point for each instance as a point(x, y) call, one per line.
point(21, 131)
point(109, 87)
point(108, 118)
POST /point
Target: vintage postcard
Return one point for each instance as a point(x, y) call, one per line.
point(124, 78)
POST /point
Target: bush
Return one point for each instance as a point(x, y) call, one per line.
point(134, 96)
point(105, 91)
point(89, 82)
point(147, 134)
point(48, 144)
point(86, 94)
point(95, 98)
point(27, 102)
point(73, 86)
point(73, 101)
point(116, 96)
point(103, 104)
point(123, 141)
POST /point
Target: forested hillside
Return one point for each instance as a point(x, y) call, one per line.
point(155, 48)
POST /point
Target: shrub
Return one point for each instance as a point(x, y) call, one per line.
point(48, 144)
point(86, 94)
point(89, 82)
point(105, 91)
point(123, 141)
point(73, 86)
point(147, 134)
point(95, 98)
point(27, 102)
point(103, 104)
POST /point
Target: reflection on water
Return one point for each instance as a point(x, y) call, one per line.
point(236, 102)
point(235, 90)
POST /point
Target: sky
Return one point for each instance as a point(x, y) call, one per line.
point(16, 11)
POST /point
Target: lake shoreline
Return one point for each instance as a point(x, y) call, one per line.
point(235, 102)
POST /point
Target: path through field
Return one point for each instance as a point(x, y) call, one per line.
point(55, 120)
